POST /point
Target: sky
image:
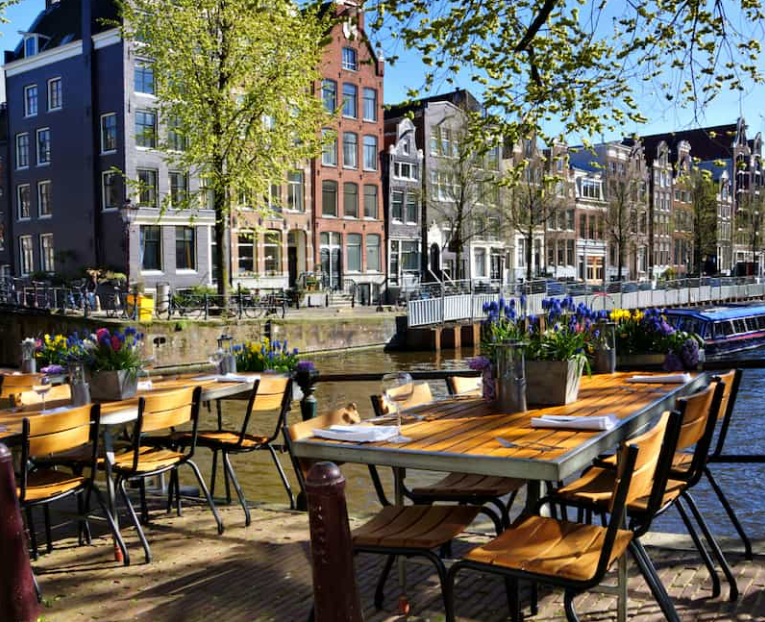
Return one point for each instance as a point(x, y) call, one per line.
point(408, 73)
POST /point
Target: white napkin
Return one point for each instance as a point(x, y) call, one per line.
point(666, 379)
point(145, 385)
point(604, 422)
point(59, 409)
point(210, 377)
point(236, 378)
point(358, 433)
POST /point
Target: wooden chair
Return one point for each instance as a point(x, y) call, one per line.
point(569, 555)
point(40, 486)
point(456, 487)
point(461, 385)
point(57, 395)
point(13, 384)
point(411, 531)
point(269, 393)
point(161, 411)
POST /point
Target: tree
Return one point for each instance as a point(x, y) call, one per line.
point(536, 200)
point(626, 215)
point(234, 87)
point(703, 195)
point(750, 221)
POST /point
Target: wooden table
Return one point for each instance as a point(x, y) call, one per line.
point(459, 435)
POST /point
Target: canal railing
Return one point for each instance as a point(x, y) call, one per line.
point(463, 301)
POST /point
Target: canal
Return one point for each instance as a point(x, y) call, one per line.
point(745, 484)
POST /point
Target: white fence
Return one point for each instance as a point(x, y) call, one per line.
point(469, 306)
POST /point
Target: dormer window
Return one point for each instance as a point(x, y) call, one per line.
point(30, 46)
point(405, 147)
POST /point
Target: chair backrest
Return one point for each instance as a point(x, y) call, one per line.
point(421, 394)
point(57, 392)
point(269, 393)
point(58, 432)
point(732, 382)
point(699, 413)
point(13, 384)
point(461, 385)
point(304, 429)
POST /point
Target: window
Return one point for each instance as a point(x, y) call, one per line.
point(350, 59)
point(30, 46)
point(110, 196)
point(354, 252)
point(23, 207)
point(492, 159)
point(272, 247)
point(406, 170)
point(46, 252)
point(329, 198)
point(295, 191)
point(590, 189)
point(144, 78)
point(411, 207)
point(146, 129)
point(43, 146)
point(397, 205)
point(30, 100)
point(26, 258)
point(410, 256)
point(370, 104)
point(373, 253)
point(329, 95)
point(479, 255)
point(446, 141)
point(246, 251)
point(275, 198)
point(370, 153)
point(582, 225)
point(109, 132)
point(350, 94)
point(22, 150)
point(179, 188)
point(44, 207)
point(151, 247)
point(185, 249)
point(329, 148)
point(570, 252)
point(55, 99)
point(393, 262)
point(147, 187)
point(434, 139)
point(176, 140)
point(351, 200)
point(350, 150)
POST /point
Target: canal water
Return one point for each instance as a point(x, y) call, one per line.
point(745, 484)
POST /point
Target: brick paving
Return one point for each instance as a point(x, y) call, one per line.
point(262, 573)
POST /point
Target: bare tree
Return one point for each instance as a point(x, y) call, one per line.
point(750, 221)
point(703, 199)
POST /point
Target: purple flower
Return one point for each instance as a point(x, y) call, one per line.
point(672, 362)
point(52, 370)
point(479, 363)
point(689, 353)
point(305, 366)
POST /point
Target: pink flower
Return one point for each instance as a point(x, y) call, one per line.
point(116, 343)
point(101, 332)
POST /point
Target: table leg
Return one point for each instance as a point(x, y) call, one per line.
point(621, 586)
point(110, 490)
point(535, 490)
point(398, 493)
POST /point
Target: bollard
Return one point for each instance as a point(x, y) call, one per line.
point(336, 598)
point(18, 597)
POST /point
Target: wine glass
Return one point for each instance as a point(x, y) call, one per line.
point(397, 388)
point(216, 358)
point(41, 387)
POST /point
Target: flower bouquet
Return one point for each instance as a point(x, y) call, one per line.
point(266, 355)
point(113, 359)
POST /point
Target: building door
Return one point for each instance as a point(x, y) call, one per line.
point(496, 266)
point(292, 267)
point(330, 252)
point(435, 260)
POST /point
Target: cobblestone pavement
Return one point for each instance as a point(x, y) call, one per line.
point(263, 573)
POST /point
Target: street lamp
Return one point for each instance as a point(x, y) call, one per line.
point(128, 213)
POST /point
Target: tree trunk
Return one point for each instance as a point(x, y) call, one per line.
point(529, 255)
point(223, 242)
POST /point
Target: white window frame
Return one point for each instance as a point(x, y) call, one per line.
point(40, 185)
point(39, 131)
point(347, 66)
point(49, 269)
point(22, 239)
point(142, 62)
point(25, 166)
point(19, 218)
point(61, 94)
point(101, 126)
point(364, 116)
point(28, 88)
point(104, 208)
point(364, 152)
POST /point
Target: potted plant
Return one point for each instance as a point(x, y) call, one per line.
point(113, 360)
point(267, 356)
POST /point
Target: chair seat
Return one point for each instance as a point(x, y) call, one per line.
point(81, 456)
point(597, 485)
point(47, 483)
point(545, 546)
point(414, 526)
point(681, 462)
point(149, 459)
point(461, 485)
point(208, 438)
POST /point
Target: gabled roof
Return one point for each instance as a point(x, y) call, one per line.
point(460, 97)
point(61, 23)
point(707, 143)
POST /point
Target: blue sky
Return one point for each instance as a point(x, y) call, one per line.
point(408, 73)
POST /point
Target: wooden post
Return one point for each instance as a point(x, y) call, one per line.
point(18, 597)
point(336, 598)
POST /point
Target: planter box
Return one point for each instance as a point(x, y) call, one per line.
point(113, 386)
point(552, 383)
point(639, 361)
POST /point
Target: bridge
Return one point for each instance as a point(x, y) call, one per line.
point(462, 301)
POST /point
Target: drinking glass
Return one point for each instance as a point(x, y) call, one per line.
point(216, 358)
point(397, 388)
point(41, 387)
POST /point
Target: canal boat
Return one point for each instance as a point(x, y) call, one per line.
point(727, 329)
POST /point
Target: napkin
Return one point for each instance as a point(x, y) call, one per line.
point(604, 422)
point(236, 378)
point(145, 385)
point(203, 378)
point(358, 433)
point(666, 379)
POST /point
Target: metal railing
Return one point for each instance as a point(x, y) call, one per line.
point(439, 302)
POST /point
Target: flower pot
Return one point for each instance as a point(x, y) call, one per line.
point(553, 383)
point(640, 361)
point(112, 386)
